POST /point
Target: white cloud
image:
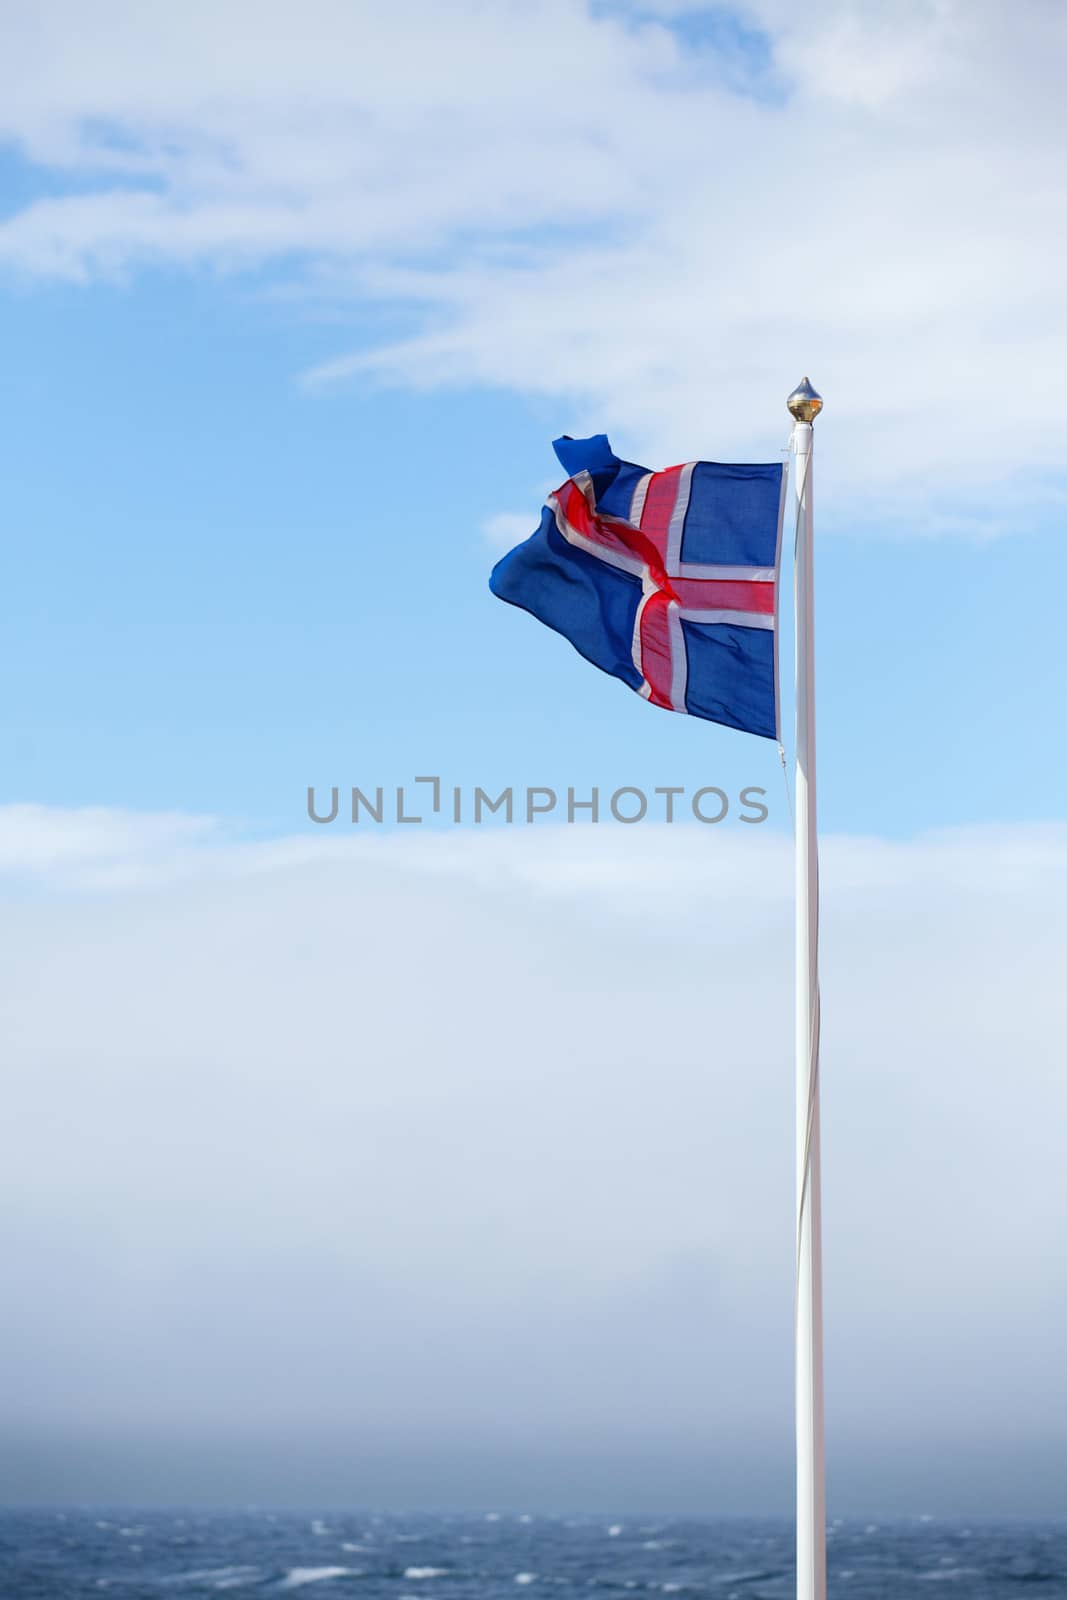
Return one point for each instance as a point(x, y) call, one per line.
point(507, 528)
point(457, 1127)
point(590, 207)
point(95, 845)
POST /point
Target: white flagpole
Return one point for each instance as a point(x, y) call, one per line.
point(805, 404)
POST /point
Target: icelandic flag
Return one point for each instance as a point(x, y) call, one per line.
point(667, 580)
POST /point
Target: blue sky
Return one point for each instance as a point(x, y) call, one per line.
point(222, 585)
point(294, 300)
point(276, 354)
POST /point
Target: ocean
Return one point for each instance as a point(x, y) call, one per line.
point(133, 1555)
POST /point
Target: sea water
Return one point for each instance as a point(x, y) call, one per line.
point(177, 1555)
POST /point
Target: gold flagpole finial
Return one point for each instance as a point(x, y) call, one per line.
point(805, 403)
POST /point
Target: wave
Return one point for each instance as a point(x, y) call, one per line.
point(297, 1577)
point(230, 1577)
point(756, 1575)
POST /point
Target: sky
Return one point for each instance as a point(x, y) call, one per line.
point(421, 1166)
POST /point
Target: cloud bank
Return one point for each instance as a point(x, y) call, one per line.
point(482, 1145)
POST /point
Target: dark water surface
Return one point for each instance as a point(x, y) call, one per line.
point(45, 1555)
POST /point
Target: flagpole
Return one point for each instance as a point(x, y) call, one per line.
point(804, 405)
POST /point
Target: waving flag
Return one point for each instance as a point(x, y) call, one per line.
point(667, 580)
